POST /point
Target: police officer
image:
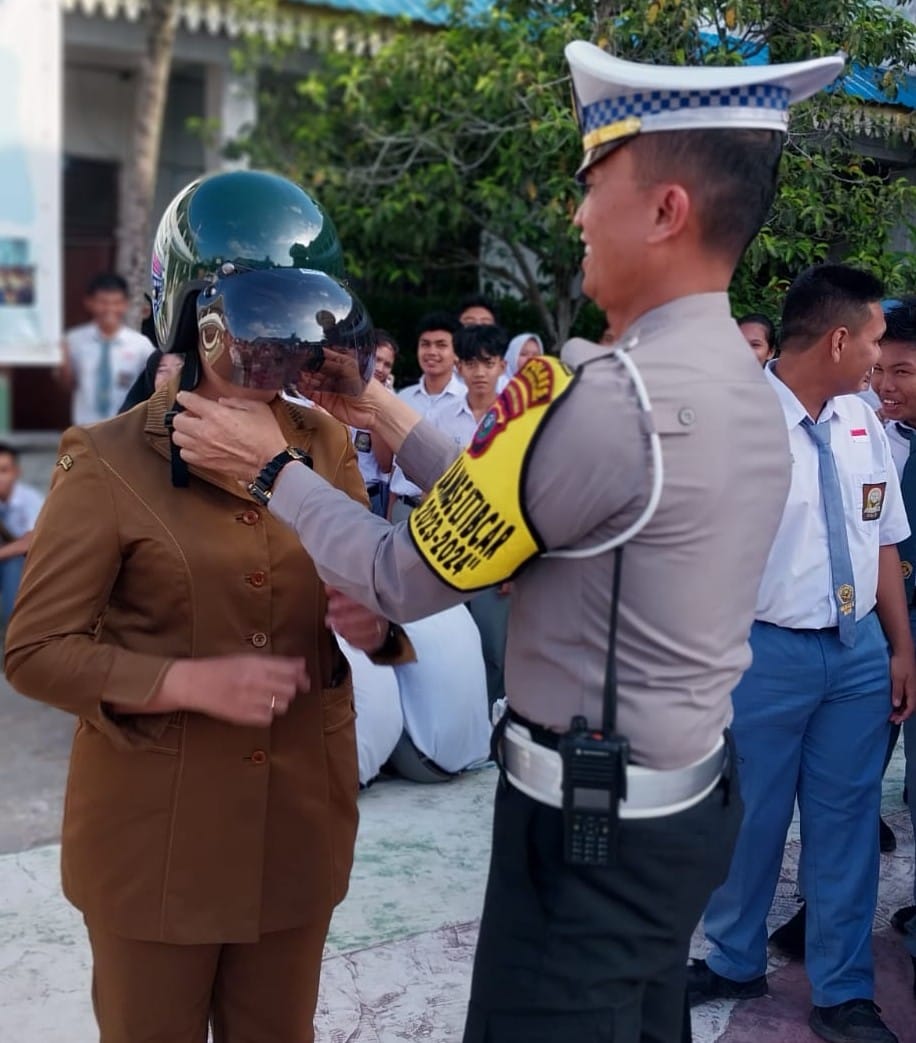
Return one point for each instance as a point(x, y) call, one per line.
point(211, 804)
point(811, 714)
point(680, 167)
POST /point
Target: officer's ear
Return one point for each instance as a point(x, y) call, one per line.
point(672, 209)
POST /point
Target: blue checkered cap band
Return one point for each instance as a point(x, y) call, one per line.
point(643, 105)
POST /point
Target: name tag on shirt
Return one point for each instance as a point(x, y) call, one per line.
point(873, 500)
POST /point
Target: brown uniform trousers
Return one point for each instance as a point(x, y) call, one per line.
point(206, 857)
point(255, 992)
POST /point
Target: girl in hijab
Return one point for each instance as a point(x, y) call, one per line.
point(521, 348)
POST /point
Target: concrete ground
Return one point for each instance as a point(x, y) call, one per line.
point(398, 960)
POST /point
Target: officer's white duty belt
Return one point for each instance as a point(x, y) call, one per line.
point(538, 772)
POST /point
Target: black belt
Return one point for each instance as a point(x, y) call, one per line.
point(411, 501)
point(541, 735)
point(373, 488)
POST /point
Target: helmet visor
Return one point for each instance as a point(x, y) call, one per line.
point(265, 328)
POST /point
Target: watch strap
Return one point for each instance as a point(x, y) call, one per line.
point(261, 488)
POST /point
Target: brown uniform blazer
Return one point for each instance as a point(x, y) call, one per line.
point(181, 828)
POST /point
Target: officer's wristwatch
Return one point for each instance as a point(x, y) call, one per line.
point(262, 487)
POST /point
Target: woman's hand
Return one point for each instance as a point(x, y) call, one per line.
point(244, 689)
point(356, 624)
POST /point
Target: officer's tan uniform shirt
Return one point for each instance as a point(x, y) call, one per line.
point(179, 827)
point(690, 578)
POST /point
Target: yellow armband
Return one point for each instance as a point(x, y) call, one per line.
point(473, 530)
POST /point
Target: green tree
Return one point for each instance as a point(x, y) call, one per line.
point(836, 200)
point(138, 180)
point(456, 149)
point(441, 143)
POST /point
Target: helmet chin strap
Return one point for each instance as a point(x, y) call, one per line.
point(188, 381)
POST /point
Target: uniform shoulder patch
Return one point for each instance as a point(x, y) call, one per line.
point(534, 385)
point(473, 530)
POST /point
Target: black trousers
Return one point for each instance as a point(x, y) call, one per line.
point(572, 954)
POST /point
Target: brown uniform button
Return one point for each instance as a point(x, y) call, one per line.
point(259, 640)
point(259, 757)
point(256, 579)
point(250, 517)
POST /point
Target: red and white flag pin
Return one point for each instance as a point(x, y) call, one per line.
point(859, 434)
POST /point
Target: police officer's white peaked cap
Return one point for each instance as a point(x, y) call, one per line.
point(616, 99)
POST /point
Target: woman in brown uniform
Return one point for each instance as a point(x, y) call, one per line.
point(210, 814)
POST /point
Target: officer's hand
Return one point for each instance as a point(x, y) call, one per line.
point(338, 373)
point(234, 436)
point(357, 411)
point(245, 689)
point(903, 687)
point(355, 623)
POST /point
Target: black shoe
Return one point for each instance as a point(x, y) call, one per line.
point(900, 920)
point(886, 839)
point(790, 938)
point(855, 1021)
point(704, 985)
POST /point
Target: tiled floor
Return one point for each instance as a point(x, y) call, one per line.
point(398, 962)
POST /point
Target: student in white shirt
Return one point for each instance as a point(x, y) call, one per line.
point(19, 508)
point(894, 381)
point(477, 310)
point(427, 718)
point(437, 386)
point(833, 664)
point(481, 352)
point(372, 455)
point(103, 357)
point(521, 348)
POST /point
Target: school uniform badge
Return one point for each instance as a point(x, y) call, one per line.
point(906, 568)
point(873, 500)
point(846, 597)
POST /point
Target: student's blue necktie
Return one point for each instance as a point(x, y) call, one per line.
point(907, 547)
point(844, 591)
point(103, 380)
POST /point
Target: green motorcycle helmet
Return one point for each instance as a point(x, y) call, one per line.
point(257, 249)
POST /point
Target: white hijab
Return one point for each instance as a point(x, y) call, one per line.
point(514, 351)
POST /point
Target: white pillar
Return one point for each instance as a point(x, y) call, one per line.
point(231, 107)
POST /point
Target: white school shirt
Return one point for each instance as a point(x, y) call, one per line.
point(440, 699)
point(900, 446)
point(424, 403)
point(444, 691)
point(456, 420)
point(129, 352)
point(20, 512)
point(366, 459)
point(797, 587)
